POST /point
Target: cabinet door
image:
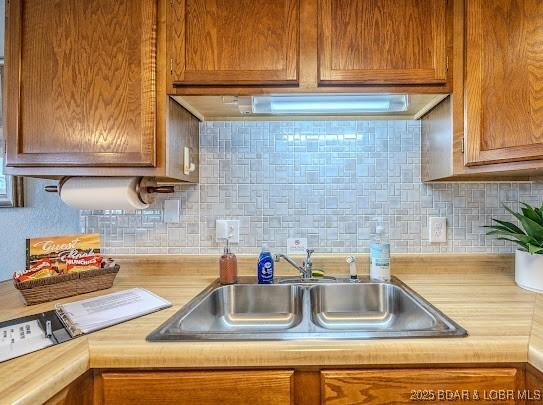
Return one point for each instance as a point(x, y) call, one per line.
point(382, 41)
point(80, 83)
point(233, 42)
point(196, 387)
point(420, 385)
point(504, 76)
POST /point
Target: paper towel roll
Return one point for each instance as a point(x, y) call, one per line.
point(102, 193)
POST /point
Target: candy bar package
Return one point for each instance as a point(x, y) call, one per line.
point(53, 255)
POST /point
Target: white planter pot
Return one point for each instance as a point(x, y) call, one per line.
point(529, 271)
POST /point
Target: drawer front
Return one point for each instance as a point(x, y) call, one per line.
point(196, 387)
point(420, 385)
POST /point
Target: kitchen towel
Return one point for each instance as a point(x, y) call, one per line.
point(102, 193)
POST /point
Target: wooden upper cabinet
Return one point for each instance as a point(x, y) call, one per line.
point(225, 42)
point(80, 83)
point(382, 41)
point(504, 81)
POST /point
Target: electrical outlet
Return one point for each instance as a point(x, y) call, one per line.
point(172, 212)
point(227, 229)
point(437, 229)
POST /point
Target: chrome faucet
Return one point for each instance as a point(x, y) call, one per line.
point(306, 269)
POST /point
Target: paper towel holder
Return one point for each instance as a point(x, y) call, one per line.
point(144, 187)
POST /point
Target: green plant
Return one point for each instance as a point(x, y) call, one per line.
point(530, 236)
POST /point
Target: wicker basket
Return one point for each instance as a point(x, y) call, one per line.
point(66, 285)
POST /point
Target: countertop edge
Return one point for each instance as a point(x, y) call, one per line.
point(84, 357)
point(71, 365)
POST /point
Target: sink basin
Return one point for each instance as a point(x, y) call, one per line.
point(238, 308)
point(372, 306)
point(331, 308)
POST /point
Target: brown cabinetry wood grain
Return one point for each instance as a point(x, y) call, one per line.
point(183, 132)
point(370, 386)
point(452, 133)
point(85, 92)
point(534, 384)
point(81, 83)
point(266, 387)
point(341, 387)
point(504, 76)
point(217, 42)
point(79, 392)
point(382, 41)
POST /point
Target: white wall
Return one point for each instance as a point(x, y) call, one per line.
point(44, 214)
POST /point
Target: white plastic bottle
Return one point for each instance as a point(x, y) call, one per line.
point(380, 255)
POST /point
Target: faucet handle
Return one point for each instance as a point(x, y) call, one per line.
point(276, 258)
point(352, 267)
point(309, 252)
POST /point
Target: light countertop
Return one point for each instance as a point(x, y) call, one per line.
point(477, 291)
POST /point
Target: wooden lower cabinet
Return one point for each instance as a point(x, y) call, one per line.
point(79, 392)
point(504, 385)
point(399, 386)
point(534, 384)
point(266, 387)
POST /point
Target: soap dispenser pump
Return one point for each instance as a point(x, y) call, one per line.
point(228, 266)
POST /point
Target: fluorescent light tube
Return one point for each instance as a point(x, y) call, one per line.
point(324, 104)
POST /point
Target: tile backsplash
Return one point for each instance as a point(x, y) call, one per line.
point(327, 181)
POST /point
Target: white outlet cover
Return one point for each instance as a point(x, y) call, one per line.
point(437, 229)
point(296, 246)
point(227, 229)
point(172, 212)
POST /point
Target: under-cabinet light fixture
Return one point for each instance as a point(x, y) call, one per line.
point(323, 104)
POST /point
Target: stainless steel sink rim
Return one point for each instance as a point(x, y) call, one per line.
point(303, 324)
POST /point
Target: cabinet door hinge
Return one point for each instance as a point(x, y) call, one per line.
point(171, 65)
point(462, 146)
point(447, 63)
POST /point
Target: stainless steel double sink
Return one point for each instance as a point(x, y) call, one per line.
point(297, 309)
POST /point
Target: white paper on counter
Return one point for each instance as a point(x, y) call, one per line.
point(22, 338)
point(99, 312)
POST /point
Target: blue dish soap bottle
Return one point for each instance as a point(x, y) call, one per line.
point(265, 266)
